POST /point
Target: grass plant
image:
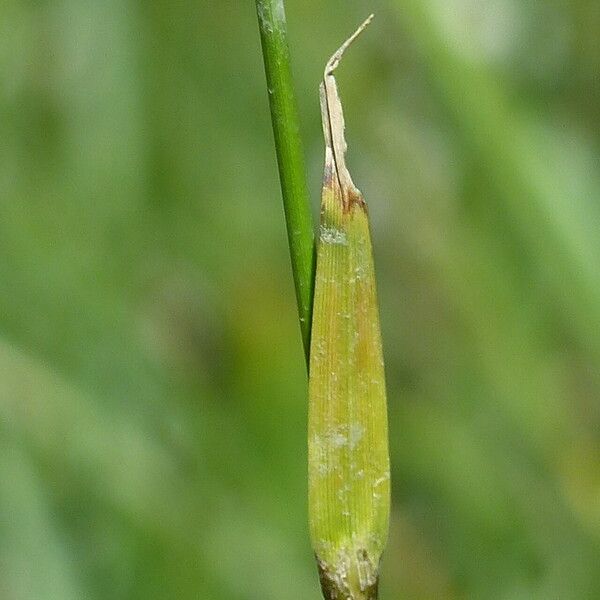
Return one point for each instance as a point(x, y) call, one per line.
point(349, 471)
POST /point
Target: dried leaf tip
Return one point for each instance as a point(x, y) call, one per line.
point(332, 114)
point(336, 57)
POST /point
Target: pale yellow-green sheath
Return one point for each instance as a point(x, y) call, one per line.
point(349, 476)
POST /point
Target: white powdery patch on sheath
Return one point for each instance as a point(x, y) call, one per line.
point(331, 235)
point(275, 20)
point(356, 434)
point(380, 480)
point(333, 441)
point(378, 497)
point(279, 12)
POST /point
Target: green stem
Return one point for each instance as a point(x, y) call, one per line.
point(290, 156)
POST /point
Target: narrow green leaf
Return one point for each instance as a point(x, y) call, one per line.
point(349, 476)
point(290, 156)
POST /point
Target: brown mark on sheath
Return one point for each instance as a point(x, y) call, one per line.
point(335, 588)
point(336, 172)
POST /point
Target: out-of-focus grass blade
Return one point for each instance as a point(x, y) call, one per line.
point(349, 483)
point(34, 561)
point(557, 226)
point(75, 448)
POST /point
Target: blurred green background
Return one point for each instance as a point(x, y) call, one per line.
point(152, 382)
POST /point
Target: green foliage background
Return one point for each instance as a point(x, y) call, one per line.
point(152, 382)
